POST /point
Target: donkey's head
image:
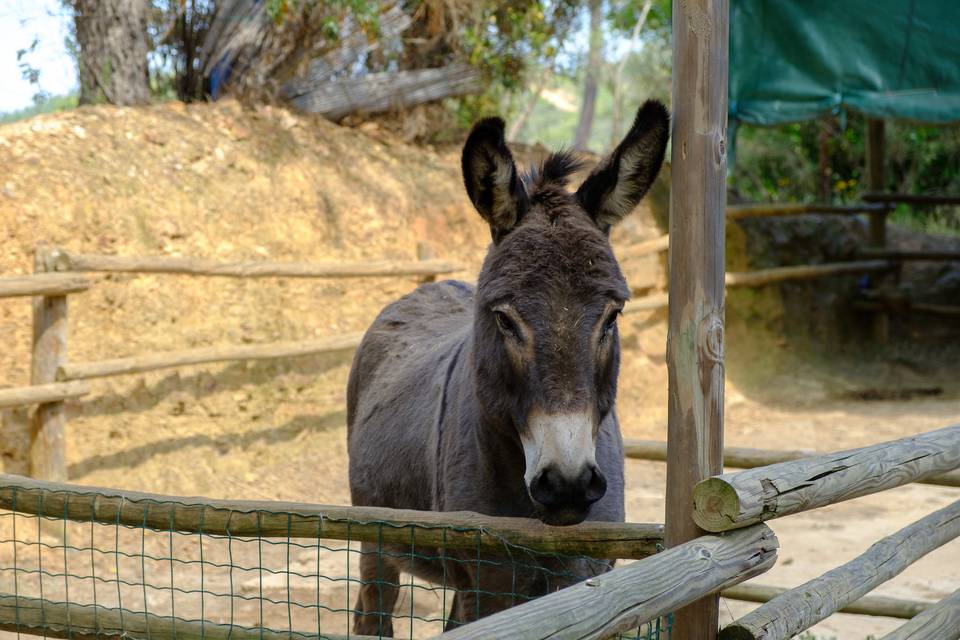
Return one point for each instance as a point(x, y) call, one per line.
point(547, 349)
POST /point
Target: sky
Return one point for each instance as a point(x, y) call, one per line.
point(20, 22)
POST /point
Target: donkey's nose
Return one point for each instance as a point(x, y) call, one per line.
point(553, 490)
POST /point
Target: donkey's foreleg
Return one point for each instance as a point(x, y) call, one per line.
point(469, 606)
point(380, 576)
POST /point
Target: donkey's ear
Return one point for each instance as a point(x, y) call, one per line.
point(491, 177)
point(620, 181)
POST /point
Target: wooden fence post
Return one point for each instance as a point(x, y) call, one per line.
point(47, 441)
point(425, 252)
point(695, 342)
point(876, 152)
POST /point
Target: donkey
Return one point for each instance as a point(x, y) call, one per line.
point(500, 398)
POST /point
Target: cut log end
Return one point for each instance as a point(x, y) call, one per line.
point(716, 506)
point(737, 632)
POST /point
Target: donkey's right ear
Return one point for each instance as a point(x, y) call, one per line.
point(491, 179)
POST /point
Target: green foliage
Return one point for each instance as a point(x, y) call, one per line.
point(365, 13)
point(780, 164)
point(622, 16)
point(50, 104)
point(647, 75)
point(509, 42)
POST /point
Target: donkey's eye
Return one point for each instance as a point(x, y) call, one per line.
point(506, 326)
point(609, 325)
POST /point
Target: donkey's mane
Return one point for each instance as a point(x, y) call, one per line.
point(553, 173)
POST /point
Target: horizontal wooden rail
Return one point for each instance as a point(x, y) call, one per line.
point(43, 284)
point(750, 458)
point(632, 595)
point(939, 622)
point(645, 248)
point(267, 519)
point(803, 272)
point(901, 304)
point(647, 303)
point(740, 499)
point(41, 393)
point(64, 261)
point(797, 609)
point(736, 212)
point(738, 457)
point(911, 198)
point(73, 621)
point(768, 276)
point(897, 256)
point(205, 355)
point(880, 606)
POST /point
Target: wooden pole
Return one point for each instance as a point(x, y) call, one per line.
point(43, 394)
point(901, 304)
point(47, 438)
point(425, 252)
point(206, 355)
point(750, 458)
point(629, 596)
point(803, 272)
point(876, 150)
point(735, 500)
point(43, 284)
point(880, 606)
point(740, 211)
point(201, 267)
point(645, 248)
point(272, 519)
point(72, 621)
point(939, 622)
point(763, 277)
point(878, 221)
point(797, 609)
point(934, 256)
point(916, 199)
point(648, 303)
point(697, 216)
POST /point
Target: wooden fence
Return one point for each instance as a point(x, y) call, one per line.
point(615, 601)
point(872, 259)
point(739, 548)
point(734, 500)
point(59, 274)
point(741, 502)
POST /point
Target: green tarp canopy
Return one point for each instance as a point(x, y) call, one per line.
point(793, 60)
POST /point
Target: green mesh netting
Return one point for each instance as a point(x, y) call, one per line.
point(68, 569)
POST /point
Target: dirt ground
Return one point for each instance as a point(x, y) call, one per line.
point(224, 183)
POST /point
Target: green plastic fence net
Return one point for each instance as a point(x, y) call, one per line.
point(78, 565)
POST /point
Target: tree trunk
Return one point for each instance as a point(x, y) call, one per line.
point(518, 123)
point(585, 124)
point(112, 35)
point(618, 77)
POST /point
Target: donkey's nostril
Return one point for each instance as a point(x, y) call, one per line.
point(543, 489)
point(596, 484)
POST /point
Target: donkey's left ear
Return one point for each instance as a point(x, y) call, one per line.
point(620, 181)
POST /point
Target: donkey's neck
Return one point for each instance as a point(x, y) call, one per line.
point(482, 457)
